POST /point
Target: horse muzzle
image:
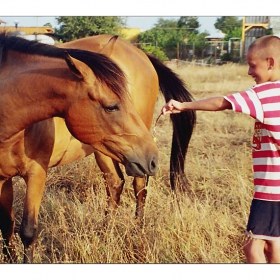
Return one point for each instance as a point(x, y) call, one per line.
point(142, 168)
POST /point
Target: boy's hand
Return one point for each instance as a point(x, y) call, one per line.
point(172, 107)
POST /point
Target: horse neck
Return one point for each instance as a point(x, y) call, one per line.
point(30, 93)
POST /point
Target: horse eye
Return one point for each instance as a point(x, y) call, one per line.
point(111, 109)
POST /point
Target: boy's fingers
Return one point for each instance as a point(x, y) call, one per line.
point(166, 109)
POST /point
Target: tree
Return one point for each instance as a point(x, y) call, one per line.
point(154, 51)
point(48, 24)
point(76, 27)
point(231, 26)
point(190, 23)
point(165, 33)
point(199, 43)
point(169, 34)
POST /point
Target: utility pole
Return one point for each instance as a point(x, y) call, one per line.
point(16, 24)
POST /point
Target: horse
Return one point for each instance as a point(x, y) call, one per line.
point(146, 76)
point(89, 91)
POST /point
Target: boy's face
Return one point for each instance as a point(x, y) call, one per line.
point(259, 68)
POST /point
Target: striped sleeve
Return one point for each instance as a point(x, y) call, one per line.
point(246, 102)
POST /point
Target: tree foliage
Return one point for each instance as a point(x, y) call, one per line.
point(156, 51)
point(75, 27)
point(199, 43)
point(191, 23)
point(167, 34)
point(231, 26)
point(48, 24)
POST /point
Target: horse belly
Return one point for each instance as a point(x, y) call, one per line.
point(75, 151)
point(66, 148)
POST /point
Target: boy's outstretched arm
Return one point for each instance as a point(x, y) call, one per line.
point(209, 104)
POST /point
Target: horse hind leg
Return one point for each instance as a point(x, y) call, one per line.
point(7, 220)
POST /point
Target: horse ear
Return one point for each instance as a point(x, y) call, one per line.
point(108, 48)
point(73, 66)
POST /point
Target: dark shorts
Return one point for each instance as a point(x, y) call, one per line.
point(264, 220)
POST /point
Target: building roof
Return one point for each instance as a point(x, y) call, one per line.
point(217, 35)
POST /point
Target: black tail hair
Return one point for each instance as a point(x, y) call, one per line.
point(172, 87)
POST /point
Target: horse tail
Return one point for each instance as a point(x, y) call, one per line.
point(172, 87)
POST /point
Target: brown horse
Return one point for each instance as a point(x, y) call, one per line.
point(145, 75)
point(88, 90)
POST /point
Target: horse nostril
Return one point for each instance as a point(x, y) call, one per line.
point(153, 165)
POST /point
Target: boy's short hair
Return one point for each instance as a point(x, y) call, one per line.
point(267, 46)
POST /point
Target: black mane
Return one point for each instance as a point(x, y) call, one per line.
point(105, 70)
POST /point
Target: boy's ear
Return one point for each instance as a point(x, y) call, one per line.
point(270, 63)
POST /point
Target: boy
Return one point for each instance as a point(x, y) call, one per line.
point(262, 102)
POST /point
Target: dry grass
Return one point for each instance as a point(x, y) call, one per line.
point(208, 230)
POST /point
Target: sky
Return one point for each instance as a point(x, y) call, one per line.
point(141, 14)
point(142, 22)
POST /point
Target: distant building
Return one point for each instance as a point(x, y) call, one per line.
point(45, 39)
point(28, 30)
point(216, 44)
point(217, 36)
point(38, 33)
point(274, 24)
point(257, 26)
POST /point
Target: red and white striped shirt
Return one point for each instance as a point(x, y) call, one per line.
point(262, 102)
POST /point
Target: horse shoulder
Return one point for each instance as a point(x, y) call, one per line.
point(34, 144)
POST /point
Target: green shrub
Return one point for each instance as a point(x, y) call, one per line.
point(154, 51)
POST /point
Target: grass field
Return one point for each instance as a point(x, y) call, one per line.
point(209, 229)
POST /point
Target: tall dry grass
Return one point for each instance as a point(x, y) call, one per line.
point(209, 229)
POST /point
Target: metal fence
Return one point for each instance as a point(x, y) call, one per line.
point(211, 51)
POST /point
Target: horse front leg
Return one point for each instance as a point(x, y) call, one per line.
point(7, 220)
point(29, 226)
point(114, 182)
point(114, 188)
point(140, 192)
